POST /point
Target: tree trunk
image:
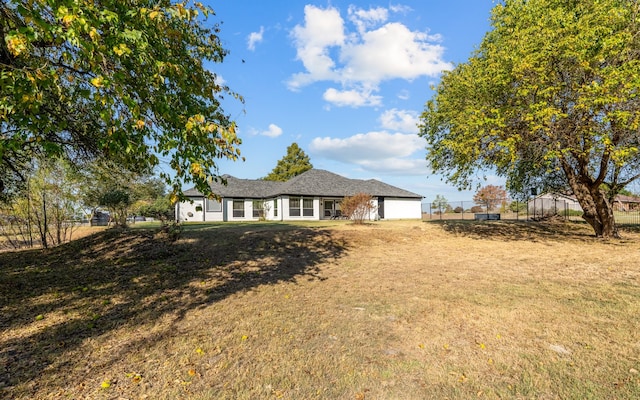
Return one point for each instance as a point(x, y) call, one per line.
point(597, 210)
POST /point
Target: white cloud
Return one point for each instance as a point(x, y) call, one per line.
point(373, 51)
point(399, 8)
point(253, 38)
point(352, 98)
point(323, 29)
point(363, 19)
point(395, 166)
point(273, 131)
point(393, 51)
point(400, 120)
point(374, 151)
point(404, 94)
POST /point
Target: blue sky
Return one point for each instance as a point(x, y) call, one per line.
point(346, 80)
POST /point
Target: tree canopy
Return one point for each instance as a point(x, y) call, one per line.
point(552, 95)
point(293, 164)
point(124, 81)
point(490, 196)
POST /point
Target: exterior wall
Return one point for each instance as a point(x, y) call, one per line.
point(402, 208)
point(248, 210)
point(549, 203)
point(273, 210)
point(196, 211)
point(186, 211)
point(286, 214)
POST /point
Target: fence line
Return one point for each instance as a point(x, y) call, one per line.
point(531, 210)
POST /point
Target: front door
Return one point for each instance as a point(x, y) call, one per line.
point(329, 208)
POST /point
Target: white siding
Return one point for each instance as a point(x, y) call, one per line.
point(402, 208)
point(272, 206)
point(190, 211)
point(196, 211)
point(248, 210)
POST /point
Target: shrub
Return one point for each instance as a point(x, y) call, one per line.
point(357, 207)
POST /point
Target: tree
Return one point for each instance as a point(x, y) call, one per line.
point(357, 207)
point(440, 203)
point(112, 80)
point(293, 164)
point(490, 196)
point(161, 209)
point(117, 201)
point(517, 206)
point(551, 92)
point(123, 192)
point(47, 207)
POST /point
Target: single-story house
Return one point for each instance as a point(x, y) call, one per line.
point(626, 203)
point(313, 195)
point(552, 203)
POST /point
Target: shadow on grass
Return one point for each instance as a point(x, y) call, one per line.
point(53, 300)
point(518, 230)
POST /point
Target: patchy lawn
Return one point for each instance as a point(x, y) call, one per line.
point(401, 310)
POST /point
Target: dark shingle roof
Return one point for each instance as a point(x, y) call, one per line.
point(314, 182)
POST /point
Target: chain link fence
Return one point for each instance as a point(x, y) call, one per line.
point(534, 209)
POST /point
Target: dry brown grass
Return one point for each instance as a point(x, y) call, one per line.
point(392, 310)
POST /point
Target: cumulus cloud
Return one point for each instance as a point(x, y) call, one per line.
point(322, 30)
point(372, 51)
point(374, 151)
point(400, 120)
point(273, 131)
point(253, 38)
point(352, 98)
point(363, 19)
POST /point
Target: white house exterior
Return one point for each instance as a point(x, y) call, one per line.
point(313, 195)
point(552, 203)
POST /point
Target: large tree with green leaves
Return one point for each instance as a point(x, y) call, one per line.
point(293, 164)
point(551, 95)
point(124, 81)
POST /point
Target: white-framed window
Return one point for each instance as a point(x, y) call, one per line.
point(307, 207)
point(275, 208)
point(213, 205)
point(300, 206)
point(238, 209)
point(294, 207)
point(258, 208)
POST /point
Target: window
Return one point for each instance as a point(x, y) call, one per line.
point(238, 209)
point(258, 209)
point(275, 208)
point(294, 207)
point(307, 207)
point(213, 205)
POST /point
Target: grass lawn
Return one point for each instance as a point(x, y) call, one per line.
point(389, 310)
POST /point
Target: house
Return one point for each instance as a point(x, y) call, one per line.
point(552, 203)
point(555, 203)
point(626, 203)
point(313, 195)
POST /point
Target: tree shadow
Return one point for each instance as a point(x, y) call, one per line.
point(519, 230)
point(52, 300)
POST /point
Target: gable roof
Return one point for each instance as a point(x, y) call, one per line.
point(314, 182)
